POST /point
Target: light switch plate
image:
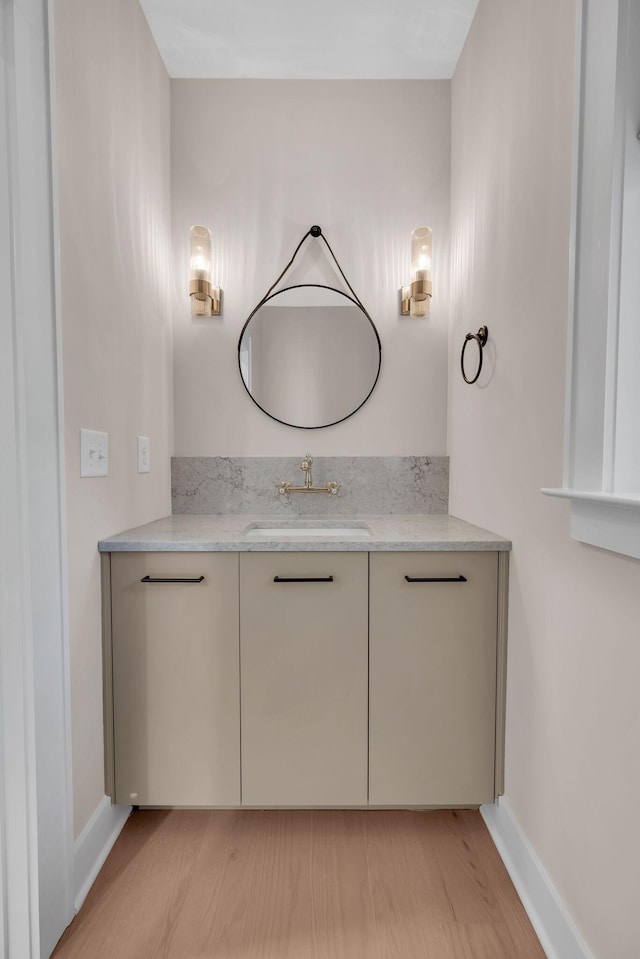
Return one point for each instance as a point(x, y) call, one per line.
point(144, 454)
point(94, 453)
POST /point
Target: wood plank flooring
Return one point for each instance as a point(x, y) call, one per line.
point(302, 884)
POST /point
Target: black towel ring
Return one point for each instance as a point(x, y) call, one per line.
point(481, 338)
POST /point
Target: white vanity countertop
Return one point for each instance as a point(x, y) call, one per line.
point(221, 533)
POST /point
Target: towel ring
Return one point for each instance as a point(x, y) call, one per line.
point(481, 338)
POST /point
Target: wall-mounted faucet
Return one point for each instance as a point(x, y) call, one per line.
point(331, 488)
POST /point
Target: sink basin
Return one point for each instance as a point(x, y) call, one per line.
point(277, 532)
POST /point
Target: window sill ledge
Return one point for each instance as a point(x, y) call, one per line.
point(607, 520)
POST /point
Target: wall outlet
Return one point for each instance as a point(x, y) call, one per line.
point(144, 454)
point(94, 453)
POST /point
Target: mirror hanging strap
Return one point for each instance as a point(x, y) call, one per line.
point(316, 231)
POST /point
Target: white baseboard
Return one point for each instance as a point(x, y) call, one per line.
point(94, 844)
point(554, 927)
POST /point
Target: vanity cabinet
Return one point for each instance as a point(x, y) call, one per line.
point(305, 678)
point(433, 661)
point(176, 684)
point(303, 651)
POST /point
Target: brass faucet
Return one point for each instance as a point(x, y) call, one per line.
point(305, 466)
point(331, 489)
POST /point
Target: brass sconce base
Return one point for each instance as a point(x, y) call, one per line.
point(205, 299)
point(405, 300)
point(415, 300)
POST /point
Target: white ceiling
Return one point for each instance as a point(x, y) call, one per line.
point(310, 39)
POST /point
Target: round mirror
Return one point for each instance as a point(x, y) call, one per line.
point(309, 356)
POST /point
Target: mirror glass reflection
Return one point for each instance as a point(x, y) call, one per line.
point(309, 356)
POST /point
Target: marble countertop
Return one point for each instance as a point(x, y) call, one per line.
point(235, 532)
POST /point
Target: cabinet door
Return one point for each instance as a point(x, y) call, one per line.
point(304, 679)
point(432, 679)
point(176, 679)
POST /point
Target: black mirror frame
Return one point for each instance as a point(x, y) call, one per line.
point(322, 286)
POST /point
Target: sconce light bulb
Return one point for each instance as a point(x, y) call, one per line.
point(421, 241)
point(200, 258)
point(199, 265)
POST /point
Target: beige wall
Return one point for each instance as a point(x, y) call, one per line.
point(113, 157)
point(573, 722)
point(259, 162)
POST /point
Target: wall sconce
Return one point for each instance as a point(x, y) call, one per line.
point(417, 297)
point(205, 299)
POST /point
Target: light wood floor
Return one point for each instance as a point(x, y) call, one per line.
point(302, 885)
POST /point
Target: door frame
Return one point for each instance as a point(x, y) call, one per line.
point(36, 798)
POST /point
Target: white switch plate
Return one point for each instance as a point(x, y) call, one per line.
point(144, 454)
point(94, 453)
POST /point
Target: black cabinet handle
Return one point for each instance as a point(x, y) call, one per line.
point(436, 579)
point(303, 579)
point(149, 579)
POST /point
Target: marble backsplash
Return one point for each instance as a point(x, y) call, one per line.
point(369, 485)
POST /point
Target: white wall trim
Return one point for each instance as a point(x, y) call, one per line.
point(600, 468)
point(94, 844)
point(606, 520)
point(556, 930)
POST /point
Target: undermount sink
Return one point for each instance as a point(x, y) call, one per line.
point(276, 532)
